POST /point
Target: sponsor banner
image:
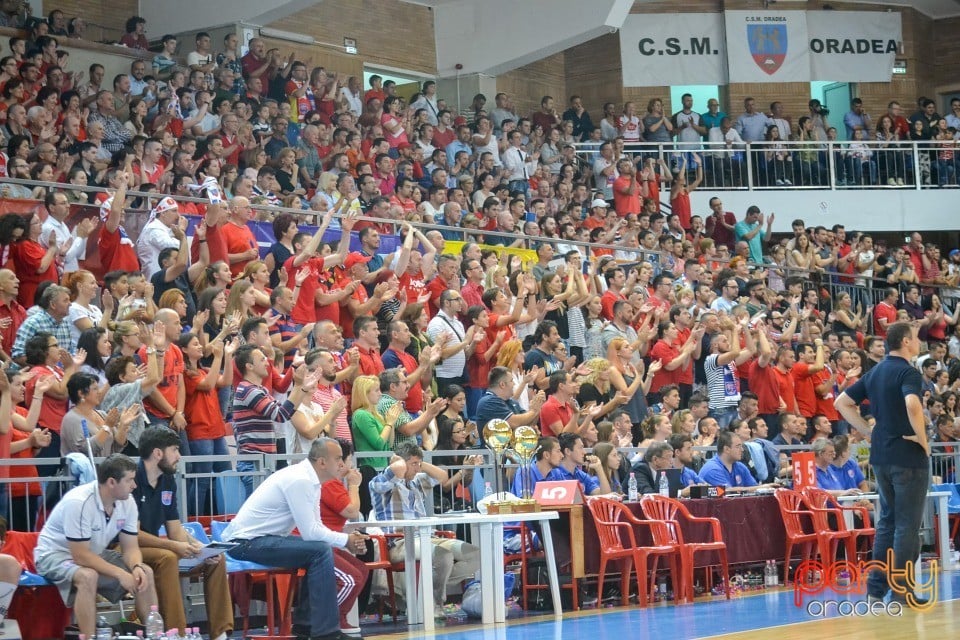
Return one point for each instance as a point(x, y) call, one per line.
point(672, 48)
point(767, 46)
point(853, 46)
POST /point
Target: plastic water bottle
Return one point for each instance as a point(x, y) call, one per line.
point(632, 493)
point(664, 485)
point(487, 489)
point(196, 634)
point(104, 631)
point(770, 578)
point(154, 626)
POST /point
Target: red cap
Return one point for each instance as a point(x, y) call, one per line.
point(460, 121)
point(355, 258)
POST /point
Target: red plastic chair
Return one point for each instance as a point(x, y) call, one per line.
point(823, 505)
point(522, 558)
point(665, 510)
point(40, 605)
point(387, 566)
point(793, 511)
point(614, 523)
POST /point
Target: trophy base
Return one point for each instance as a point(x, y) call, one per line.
point(526, 506)
point(514, 506)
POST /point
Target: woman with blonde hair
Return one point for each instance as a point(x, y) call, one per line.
point(83, 313)
point(258, 274)
point(656, 428)
point(595, 387)
point(126, 338)
point(371, 431)
point(684, 421)
point(241, 300)
point(511, 356)
point(630, 380)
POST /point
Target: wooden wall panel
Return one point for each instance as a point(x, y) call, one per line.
point(528, 84)
point(594, 71)
point(105, 20)
point(388, 32)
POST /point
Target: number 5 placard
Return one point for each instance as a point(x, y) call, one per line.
point(558, 493)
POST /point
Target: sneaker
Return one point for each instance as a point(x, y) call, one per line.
point(787, 182)
point(891, 182)
point(900, 182)
point(350, 630)
point(779, 182)
point(903, 599)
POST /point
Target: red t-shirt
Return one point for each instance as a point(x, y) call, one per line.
point(170, 383)
point(665, 353)
point(413, 286)
point(883, 310)
point(825, 400)
point(625, 203)
point(763, 382)
point(436, 287)
point(805, 382)
point(52, 410)
point(787, 388)
point(216, 246)
point(360, 295)
point(26, 256)
point(681, 206)
point(116, 251)
point(551, 412)
point(238, 239)
point(607, 301)
point(334, 498)
point(202, 409)
point(305, 308)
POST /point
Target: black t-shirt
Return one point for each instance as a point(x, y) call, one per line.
point(886, 385)
point(157, 505)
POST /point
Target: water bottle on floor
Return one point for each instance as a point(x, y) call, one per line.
point(104, 631)
point(632, 493)
point(154, 627)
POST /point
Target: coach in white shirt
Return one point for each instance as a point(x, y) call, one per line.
point(288, 499)
point(72, 549)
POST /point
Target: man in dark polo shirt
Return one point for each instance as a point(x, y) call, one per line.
point(156, 496)
point(498, 403)
point(900, 456)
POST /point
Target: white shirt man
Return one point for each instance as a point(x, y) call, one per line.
point(518, 164)
point(75, 241)
point(157, 236)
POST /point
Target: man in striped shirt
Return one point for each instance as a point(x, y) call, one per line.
point(255, 411)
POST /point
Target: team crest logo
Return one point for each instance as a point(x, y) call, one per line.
point(768, 45)
point(166, 497)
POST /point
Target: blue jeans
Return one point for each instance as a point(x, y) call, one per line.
point(197, 488)
point(247, 480)
point(903, 492)
point(723, 416)
point(318, 589)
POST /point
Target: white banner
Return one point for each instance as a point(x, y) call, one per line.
point(853, 46)
point(672, 48)
point(767, 46)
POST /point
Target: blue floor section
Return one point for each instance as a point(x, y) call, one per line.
point(707, 618)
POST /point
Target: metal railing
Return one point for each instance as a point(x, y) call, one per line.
point(789, 164)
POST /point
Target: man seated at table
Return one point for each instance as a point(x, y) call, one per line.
point(399, 493)
point(828, 476)
point(548, 458)
point(725, 468)
point(571, 466)
point(657, 458)
point(851, 477)
point(682, 445)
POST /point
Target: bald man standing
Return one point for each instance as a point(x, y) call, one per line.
point(242, 246)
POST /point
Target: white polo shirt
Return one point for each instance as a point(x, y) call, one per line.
point(79, 517)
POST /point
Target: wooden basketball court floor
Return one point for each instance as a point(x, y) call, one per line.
point(773, 613)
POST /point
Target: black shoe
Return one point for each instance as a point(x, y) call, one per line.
point(301, 631)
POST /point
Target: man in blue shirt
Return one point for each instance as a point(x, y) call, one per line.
point(828, 476)
point(751, 230)
point(856, 119)
point(498, 403)
point(725, 468)
point(571, 466)
point(548, 458)
point(899, 453)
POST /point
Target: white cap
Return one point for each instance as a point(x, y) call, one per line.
point(599, 202)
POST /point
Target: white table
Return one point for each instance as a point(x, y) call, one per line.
point(488, 534)
point(943, 523)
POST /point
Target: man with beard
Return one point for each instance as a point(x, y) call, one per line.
point(156, 496)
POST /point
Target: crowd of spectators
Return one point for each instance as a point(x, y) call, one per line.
point(686, 330)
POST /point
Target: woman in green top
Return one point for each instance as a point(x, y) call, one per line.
point(371, 431)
